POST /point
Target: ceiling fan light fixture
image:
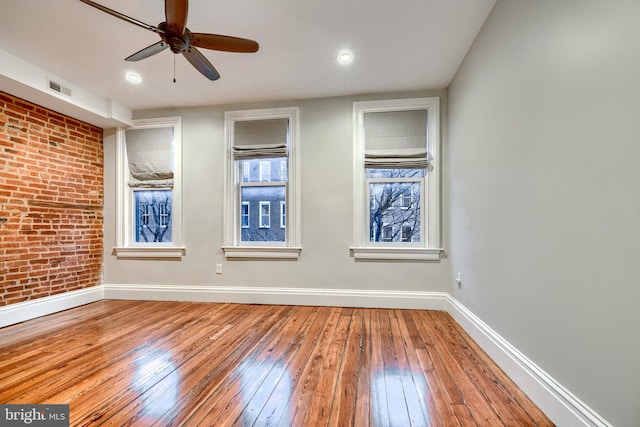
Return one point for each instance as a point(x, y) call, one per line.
point(133, 77)
point(345, 57)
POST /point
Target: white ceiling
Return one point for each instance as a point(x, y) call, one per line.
point(398, 45)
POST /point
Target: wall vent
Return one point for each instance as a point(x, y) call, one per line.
point(58, 87)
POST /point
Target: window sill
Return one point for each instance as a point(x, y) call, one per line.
point(396, 254)
point(158, 252)
point(261, 253)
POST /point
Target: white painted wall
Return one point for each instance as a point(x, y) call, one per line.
point(326, 156)
point(542, 188)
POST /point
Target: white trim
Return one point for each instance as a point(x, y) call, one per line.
point(27, 310)
point(290, 296)
point(150, 252)
point(396, 253)
point(262, 252)
point(558, 403)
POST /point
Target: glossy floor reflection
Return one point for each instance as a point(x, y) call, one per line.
point(399, 398)
point(156, 363)
point(148, 368)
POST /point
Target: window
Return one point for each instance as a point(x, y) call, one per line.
point(245, 214)
point(283, 214)
point(265, 214)
point(396, 185)
point(407, 233)
point(265, 171)
point(149, 189)
point(246, 171)
point(261, 184)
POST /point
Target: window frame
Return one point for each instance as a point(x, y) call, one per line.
point(126, 247)
point(429, 249)
point(233, 247)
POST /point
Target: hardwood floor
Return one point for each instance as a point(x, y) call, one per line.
point(202, 364)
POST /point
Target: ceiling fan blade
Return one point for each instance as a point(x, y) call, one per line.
point(148, 51)
point(223, 43)
point(175, 12)
point(122, 16)
point(201, 63)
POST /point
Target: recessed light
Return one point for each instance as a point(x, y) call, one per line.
point(345, 57)
point(133, 77)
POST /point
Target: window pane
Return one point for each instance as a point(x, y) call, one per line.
point(153, 215)
point(264, 208)
point(394, 212)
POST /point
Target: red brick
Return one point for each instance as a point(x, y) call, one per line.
point(48, 157)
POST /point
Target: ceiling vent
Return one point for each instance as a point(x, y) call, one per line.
point(58, 87)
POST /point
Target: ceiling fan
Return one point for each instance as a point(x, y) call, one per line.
point(175, 35)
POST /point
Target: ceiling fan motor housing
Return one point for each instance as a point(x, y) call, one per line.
point(177, 42)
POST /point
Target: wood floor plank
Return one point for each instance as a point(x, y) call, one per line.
point(203, 373)
point(409, 333)
point(69, 354)
point(261, 371)
point(304, 391)
point(281, 403)
point(154, 363)
point(379, 407)
point(458, 389)
point(362, 416)
point(493, 378)
point(412, 387)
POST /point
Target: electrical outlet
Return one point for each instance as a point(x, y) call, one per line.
point(218, 268)
point(459, 279)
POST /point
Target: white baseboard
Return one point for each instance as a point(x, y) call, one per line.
point(27, 310)
point(558, 403)
point(287, 296)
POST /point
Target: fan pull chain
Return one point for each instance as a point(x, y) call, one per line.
point(174, 68)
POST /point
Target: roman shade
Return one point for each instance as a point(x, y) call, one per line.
point(257, 139)
point(396, 140)
point(150, 156)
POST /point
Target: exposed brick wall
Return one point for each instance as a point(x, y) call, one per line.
point(51, 198)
